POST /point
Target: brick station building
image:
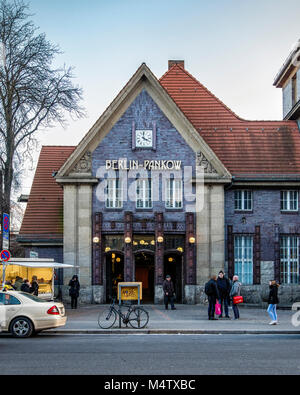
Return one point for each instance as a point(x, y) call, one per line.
point(248, 196)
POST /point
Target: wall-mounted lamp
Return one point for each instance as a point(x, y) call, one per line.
point(96, 240)
point(127, 240)
point(160, 239)
point(192, 240)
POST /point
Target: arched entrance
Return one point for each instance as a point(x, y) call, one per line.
point(114, 273)
point(144, 272)
point(173, 265)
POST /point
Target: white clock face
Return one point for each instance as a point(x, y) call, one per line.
point(143, 138)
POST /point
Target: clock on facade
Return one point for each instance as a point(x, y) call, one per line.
point(144, 138)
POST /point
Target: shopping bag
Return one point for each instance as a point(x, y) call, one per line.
point(218, 309)
point(238, 299)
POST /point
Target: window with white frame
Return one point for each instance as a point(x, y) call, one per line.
point(243, 258)
point(114, 193)
point(173, 193)
point(289, 200)
point(243, 200)
point(289, 259)
point(144, 193)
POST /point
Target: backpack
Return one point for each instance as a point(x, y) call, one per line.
point(208, 289)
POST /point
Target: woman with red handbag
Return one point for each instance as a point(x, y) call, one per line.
point(235, 291)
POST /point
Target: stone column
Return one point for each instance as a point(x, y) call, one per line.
point(210, 234)
point(78, 238)
point(70, 235)
point(85, 242)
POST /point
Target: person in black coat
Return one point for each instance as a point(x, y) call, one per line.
point(34, 289)
point(169, 292)
point(212, 292)
point(25, 287)
point(224, 290)
point(74, 291)
point(273, 302)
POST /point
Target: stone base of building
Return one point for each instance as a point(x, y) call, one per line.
point(158, 294)
point(93, 294)
point(190, 294)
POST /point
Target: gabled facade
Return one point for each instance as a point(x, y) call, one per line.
point(170, 181)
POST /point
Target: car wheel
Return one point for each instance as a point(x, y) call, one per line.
point(21, 327)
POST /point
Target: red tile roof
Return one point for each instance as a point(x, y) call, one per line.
point(245, 147)
point(44, 212)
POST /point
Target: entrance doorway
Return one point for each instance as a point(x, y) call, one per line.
point(144, 273)
point(173, 266)
point(114, 274)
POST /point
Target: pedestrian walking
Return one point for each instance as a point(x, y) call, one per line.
point(34, 289)
point(26, 286)
point(235, 291)
point(211, 290)
point(273, 302)
point(224, 290)
point(168, 288)
point(74, 291)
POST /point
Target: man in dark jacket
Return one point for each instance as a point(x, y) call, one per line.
point(212, 293)
point(26, 286)
point(74, 291)
point(224, 289)
point(34, 289)
point(168, 288)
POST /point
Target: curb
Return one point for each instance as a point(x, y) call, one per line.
point(167, 332)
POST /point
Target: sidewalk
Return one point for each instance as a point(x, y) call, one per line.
point(186, 320)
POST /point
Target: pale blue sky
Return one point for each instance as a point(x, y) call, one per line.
point(234, 47)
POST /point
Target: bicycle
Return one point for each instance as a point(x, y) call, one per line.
point(137, 317)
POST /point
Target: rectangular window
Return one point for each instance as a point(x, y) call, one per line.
point(243, 200)
point(114, 193)
point(173, 193)
point(243, 258)
point(144, 193)
point(289, 200)
point(289, 259)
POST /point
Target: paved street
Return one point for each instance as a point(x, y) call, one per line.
point(151, 354)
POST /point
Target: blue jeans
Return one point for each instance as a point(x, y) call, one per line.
point(235, 311)
point(272, 312)
point(225, 301)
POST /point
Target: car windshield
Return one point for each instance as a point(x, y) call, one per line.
point(34, 298)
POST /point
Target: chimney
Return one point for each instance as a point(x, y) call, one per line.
point(173, 62)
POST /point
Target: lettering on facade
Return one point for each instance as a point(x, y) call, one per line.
point(124, 164)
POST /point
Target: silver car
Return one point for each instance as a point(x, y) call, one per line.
point(23, 314)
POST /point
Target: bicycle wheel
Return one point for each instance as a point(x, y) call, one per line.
point(138, 318)
point(107, 319)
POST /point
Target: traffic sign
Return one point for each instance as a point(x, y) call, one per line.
point(5, 256)
point(5, 231)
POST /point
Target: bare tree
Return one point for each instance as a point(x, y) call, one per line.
point(33, 94)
